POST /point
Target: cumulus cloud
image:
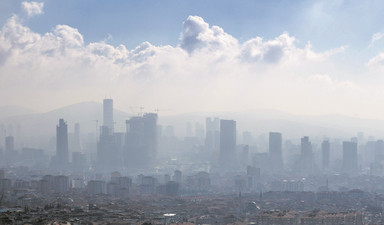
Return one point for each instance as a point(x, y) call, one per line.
point(209, 69)
point(33, 8)
point(198, 34)
point(271, 51)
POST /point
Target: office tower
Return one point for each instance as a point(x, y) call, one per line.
point(150, 133)
point(227, 144)
point(74, 141)
point(62, 154)
point(9, 145)
point(212, 135)
point(379, 150)
point(77, 133)
point(325, 150)
point(244, 157)
point(108, 114)
point(306, 158)
point(141, 141)
point(275, 152)
point(350, 165)
point(108, 158)
point(109, 145)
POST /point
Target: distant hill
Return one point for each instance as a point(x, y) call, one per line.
point(44, 124)
point(12, 110)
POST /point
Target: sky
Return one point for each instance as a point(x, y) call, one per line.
point(302, 57)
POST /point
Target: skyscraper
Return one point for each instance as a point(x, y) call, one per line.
point(275, 152)
point(306, 158)
point(212, 135)
point(62, 154)
point(107, 150)
point(76, 145)
point(9, 145)
point(108, 114)
point(150, 133)
point(350, 165)
point(141, 141)
point(325, 150)
point(228, 144)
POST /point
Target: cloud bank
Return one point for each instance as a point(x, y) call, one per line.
point(209, 70)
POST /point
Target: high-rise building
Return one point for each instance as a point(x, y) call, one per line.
point(325, 151)
point(108, 114)
point(306, 157)
point(275, 152)
point(76, 137)
point(228, 144)
point(109, 147)
point(350, 165)
point(107, 150)
point(141, 141)
point(379, 150)
point(62, 154)
point(9, 145)
point(212, 135)
point(150, 133)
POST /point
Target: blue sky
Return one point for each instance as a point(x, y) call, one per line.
point(314, 52)
point(325, 23)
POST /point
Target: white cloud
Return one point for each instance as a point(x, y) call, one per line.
point(208, 70)
point(33, 8)
point(199, 35)
point(271, 51)
point(375, 37)
point(376, 63)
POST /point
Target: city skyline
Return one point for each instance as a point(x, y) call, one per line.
point(191, 112)
point(322, 60)
point(147, 162)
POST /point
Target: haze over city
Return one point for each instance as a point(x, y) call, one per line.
point(191, 112)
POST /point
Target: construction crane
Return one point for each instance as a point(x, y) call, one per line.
point(157, 110)
point(134, 110)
